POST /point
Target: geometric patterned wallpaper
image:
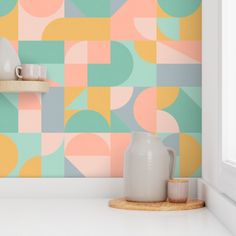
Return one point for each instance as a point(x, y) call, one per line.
point(115, 66)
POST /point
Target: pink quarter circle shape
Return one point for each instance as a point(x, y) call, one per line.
point(166, 123)
point(120, 96)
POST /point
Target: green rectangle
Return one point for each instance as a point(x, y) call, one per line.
point(33, 52)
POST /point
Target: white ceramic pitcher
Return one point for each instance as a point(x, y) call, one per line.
point(149, 164)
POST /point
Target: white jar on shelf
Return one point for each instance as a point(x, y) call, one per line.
point(8, 60)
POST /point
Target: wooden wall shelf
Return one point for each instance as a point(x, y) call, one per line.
point(16, 86)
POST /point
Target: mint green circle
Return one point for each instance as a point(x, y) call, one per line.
point(6, 6)
point(179, 8)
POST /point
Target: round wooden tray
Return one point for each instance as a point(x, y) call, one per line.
point(15, 86)
point(121, 203)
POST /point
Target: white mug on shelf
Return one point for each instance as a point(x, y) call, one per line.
point(28, 72)
point(31, 72)
point(42, 72)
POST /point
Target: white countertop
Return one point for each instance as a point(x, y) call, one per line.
point(88, 217)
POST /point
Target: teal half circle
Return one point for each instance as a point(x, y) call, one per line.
point(87, 121)
point(179, 8)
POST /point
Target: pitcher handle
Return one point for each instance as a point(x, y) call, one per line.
point(172, 162)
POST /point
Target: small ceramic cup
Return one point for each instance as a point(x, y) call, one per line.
point(178, 190)
point(28, 72)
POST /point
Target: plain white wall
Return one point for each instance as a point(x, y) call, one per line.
point(210, 90)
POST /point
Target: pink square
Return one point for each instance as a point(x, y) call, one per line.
point(29, 121)
point(76, 75)
point(29, 101)
point(99, 52)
